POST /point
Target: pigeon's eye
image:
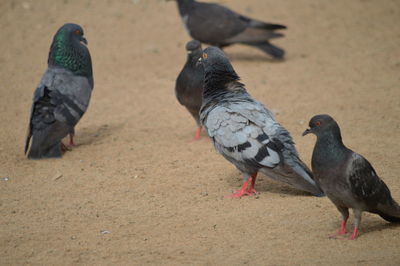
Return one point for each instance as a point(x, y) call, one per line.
point(78, 32)
point(318, 123)
point(205, 56)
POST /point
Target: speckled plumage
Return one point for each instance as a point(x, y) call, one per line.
point(217, 25)
point(346, 177)
point(244, 131)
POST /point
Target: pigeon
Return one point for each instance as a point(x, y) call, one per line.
point(189, 84)
point(245, 132)
point(62, 95)
point(217, 25)
point(347, 178)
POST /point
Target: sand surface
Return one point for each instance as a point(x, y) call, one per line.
point(137, 191)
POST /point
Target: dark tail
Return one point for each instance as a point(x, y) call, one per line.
point(39, 149)
point(390, 212)
point(263, 25)
point(297, 177)
point(392, 219)
point(270, 49)
point(269, 26)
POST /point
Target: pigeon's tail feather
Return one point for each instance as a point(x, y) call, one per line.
point(269, 26)
point(390, 213)
point(297, 177)
point(389, 218)
point(39, 150)
point(28, 139)
point(270, 49)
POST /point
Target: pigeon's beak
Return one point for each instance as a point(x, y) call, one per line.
point(306, 132)
point(199, 62)
point(83, 39)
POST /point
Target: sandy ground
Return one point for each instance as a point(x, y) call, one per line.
point(137, 191)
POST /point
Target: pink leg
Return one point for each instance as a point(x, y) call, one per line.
point(197, 136)
point(253, 181)
point(71, 140)
point(241, 192)
point(341, 231)
point(354, 234)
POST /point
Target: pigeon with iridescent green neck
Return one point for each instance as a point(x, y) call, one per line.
point(62, 96)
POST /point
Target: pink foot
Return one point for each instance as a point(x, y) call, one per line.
point(65, 148)
point(251, 191)
point(243, 191)
point(354, 234)
point(238, 194)
point(71, 141)
point(341, 231)
point(197, 136)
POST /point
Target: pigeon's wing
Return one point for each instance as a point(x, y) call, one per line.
point(290, 169)
point(253, 23)
point(213, 23)
point(241, 140)
point(59, 102)
point(368, 188)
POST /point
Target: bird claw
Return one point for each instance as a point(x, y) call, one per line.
point(197, 136)
point(251, 191)
point(65, 147)
point(238, 194)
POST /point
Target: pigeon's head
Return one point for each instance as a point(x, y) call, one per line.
point(72, 32)
point(321, 124)
point(193, 45)
point(193, 49)
point(215, 61)
point(68, 50)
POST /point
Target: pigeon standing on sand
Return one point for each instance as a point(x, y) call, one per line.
point(347, 178)
point(245, 132)
point(219, 26)
point(63, 94)
point(189, 84)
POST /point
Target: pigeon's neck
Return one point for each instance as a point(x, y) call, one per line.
point(193, 59)
point(329, 150)
point(71, 55)
point(220, 82)
point(184, 6)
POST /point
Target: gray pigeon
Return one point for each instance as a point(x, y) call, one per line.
point(63, 94)
point(219, 26)
point(347, 178)
point(189, 84)
point(245, 132)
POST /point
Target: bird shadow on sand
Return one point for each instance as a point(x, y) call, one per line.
point(264, 184)
point(252, 58)
point(378, 225)
point(96, 134)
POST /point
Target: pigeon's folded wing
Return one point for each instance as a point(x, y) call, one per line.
point(365, 183)
point(240, 138)
point(214, 22)
point(60, 97)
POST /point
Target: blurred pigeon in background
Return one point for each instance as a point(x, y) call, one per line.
point(245, 132)
point(219, 26)
point(347, 178)
point(189, 84)
point(63, 94)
